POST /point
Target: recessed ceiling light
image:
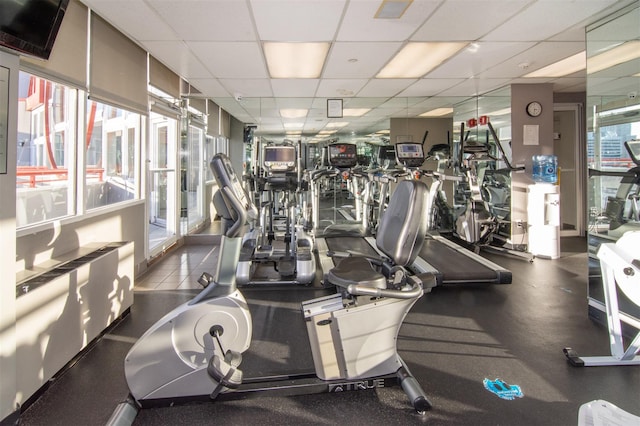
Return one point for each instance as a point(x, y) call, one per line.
point(337, 124)
point(503, 111)
point(567, 66)
point(392, 9)
point(295, 60)
point(417, 59)
point(293, 113)
point(624, 52)
point(438, 112)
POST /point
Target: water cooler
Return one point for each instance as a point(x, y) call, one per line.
point(543, 208)
point(543, 216)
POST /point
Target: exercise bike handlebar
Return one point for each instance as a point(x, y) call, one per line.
point(414, 292)
point(230, 198)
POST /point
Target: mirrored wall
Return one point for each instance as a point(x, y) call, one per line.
point(613, 139)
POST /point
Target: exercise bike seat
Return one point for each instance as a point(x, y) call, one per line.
point(358, 270)
point(400, 237)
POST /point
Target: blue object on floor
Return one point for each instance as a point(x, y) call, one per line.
point(502, 389)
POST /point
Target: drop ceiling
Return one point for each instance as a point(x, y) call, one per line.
point(216, 45)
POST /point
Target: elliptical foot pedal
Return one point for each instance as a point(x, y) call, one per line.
point(573, 358)
point(286, 267)
point(263, 252)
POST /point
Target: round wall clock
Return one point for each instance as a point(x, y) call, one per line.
point(534, 109)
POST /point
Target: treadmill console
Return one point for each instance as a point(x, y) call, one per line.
point(342, 155)
point(633, 148)
point(387, 152)
point(410, 154)
point(280, 158)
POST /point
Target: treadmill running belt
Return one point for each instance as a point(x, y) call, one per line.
point(352, 244)
point(456, 267)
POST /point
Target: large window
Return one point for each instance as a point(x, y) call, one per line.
point(49, 138)
point(45, 150)
point(113, 137)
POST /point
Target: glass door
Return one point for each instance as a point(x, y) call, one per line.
point(192, 175)
point(162, 180)
point(568, 146)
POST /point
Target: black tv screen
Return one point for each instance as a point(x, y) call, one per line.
point(31, 26)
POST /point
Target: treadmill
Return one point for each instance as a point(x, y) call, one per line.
point(448, 261)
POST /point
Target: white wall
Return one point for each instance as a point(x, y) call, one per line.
point(119, 223)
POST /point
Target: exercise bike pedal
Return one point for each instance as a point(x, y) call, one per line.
point(225, 370)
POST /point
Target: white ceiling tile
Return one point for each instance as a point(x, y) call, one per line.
point(577, 33)
point(302, 87)
point(230, 60)
point(626, 28)
point(297, 20)
point(385, 87)
point(474, 87)
point(430, 86)
point(367, 102)
point(478, 58)
point(211, 20)
point(247, 87)
point(178, 57)
point(359, 23)
point(339, 88)
point(538, 56)
point(544, 19)
point(294, 103)
point(358, 59)
point(607, 86)
point(134, 18)
point(210, 87)
point(461, 20)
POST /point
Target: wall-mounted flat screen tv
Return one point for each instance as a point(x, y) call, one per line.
point(31, 26)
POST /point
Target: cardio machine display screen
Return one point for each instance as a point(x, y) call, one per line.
point(279, 158)
point(409, 150)
point(633, 147)
point(342, 155)
point(387, 152)
point(410, 154)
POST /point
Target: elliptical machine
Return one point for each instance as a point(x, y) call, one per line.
point(289, 250)
point(478, 226)
point(196, 350)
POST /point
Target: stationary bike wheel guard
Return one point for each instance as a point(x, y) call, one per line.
point(190, 333)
